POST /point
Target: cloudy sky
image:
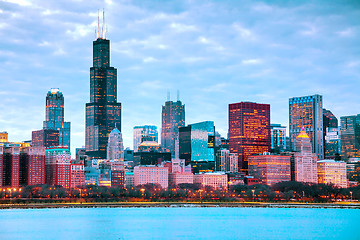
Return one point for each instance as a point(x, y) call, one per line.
point(213, 52)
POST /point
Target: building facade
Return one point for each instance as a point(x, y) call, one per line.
point(115, 146)
point(151, 174)
point(332, 172)
point(58, 166)
point(197, 144)
point(307, 113)
point(55, 116)
point(270, 169)
point(249, 130)
point(173, 117)
point(305, 161)
point(144, 133)
point(350, 136)
point(278, 137)
point(10, 163)
point(103, 111)
point(32, 166)
point(216, 180)
point(226, 161)
point(45, 138)
point(77, 175)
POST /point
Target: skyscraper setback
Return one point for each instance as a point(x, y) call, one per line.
point(249, 130)
point(173, 117)
point(55, 116)
point(103, 112)
point(306, 113)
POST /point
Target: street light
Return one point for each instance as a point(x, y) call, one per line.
point(253, 192)
point(142, 191)
point(351, 196)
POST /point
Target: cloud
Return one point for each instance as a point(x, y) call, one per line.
point(19, 2)
point(251, 61)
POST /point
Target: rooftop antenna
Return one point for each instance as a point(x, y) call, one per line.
point(98, 30)
point(95, 33)
point(103, 31)
point(178, 95)
point(168, 96)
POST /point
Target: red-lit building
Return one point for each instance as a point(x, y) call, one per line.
point(77, 175)
point(32, 166)
point(249, 130)
point(10, 155)
point(45, 138)
point(58, 166)
point(117, 174)
point(270, 169)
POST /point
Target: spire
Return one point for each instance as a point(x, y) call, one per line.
point(103, 25)
point(98, 29)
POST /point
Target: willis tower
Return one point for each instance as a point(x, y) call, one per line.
point(103, 112)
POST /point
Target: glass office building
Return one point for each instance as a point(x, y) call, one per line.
point(103, 112)
point(196, 145)
point(307, 113)
point(350, 136)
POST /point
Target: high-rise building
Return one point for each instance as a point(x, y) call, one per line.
point(144, 133)
point(332, 143)
point(32, 166)
point(77, 174)
point(55, 116)
point(332, 172)
point(10, 156)
point(103, 111)
point(329, 119)
point(307, 113)
point(305, 161)
point(45, 138)
point(173, 117)
point(278, 137)
point(270, 169)
point(58, 166)
point(249, 130)
point(115, 146)
point(196, 145)
point(226, 161)
point(350, 136)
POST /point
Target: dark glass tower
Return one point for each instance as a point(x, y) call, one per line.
point(55, 116)
point(103, 111)
point(173, 117)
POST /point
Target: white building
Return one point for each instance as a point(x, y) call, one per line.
point(115, 147)
point(216, 180)
point(151, 174)
point(305, 161)
point(330, 171)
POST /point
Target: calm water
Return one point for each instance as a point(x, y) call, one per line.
point(180, 223)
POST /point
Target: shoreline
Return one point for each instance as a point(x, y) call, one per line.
point(180, 205)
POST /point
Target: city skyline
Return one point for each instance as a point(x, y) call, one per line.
point(246, 63)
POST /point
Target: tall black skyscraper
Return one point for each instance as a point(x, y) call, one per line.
point(55, 116)
point(103, 112)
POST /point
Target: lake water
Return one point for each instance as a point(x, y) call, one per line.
point(180, 223)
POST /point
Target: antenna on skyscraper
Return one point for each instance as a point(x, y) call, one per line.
point(168, 95)
point(98, 30)
point(178, 95)
point(103, 31)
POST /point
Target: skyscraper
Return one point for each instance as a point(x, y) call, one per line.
point(278, 137)
point(173, 117)
point(331, 135)
point(55, 116)
point(350, 136)
point(305, 161)
point(115, 147)
point(196, 145)
point(249, 130)
point(103, 111)
point(307, 113)
point(144, 133)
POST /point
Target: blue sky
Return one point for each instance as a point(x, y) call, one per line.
point(214, 52)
